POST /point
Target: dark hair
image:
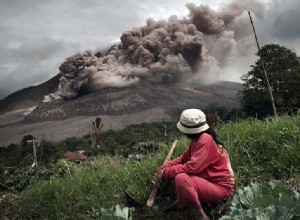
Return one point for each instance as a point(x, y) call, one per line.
point(209, 131)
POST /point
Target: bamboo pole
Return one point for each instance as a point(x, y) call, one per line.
point(264, 70)
point(34, 141)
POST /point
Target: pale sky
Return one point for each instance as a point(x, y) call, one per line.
point(37, 35)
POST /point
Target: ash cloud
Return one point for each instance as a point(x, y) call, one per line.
point(192, 49)
point(77, 26)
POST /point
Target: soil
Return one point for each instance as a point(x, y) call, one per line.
point(214, 211)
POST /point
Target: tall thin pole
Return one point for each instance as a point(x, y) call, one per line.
point(165, 133)
point(34, 141)
point(264, 70)
point(34, 152)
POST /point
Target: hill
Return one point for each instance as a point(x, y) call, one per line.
point(28, 97)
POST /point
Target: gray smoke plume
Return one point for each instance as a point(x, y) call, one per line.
point(189, 49)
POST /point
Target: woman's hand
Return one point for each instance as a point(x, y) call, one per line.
point(159, 176)
point(166, 164)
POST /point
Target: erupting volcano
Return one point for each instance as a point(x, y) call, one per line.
point(191, 49)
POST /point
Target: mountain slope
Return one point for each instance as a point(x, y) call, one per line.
point(28, 97)
point(24, 112)
point(133, 99)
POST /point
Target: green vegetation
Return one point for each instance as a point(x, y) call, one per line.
point(265, 201)
point(111, 143)
point(283, 68)
point(260, 151)
point(100, 182)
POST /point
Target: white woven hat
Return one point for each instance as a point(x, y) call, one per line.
point(192, 121)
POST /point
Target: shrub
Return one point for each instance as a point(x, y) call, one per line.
point(263, 150)
point(265, 201)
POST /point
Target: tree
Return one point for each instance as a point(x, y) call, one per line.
point(283, 68)
point(97, 126)
point(50, 151)
point(26, 138)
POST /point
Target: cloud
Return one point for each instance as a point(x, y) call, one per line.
point(285, 27)
point(39, 35)
point(39, 50)
point(31, 63)
point(36, 36)
point(194, 48)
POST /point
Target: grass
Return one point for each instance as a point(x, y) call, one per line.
point(259, 150)
point(99, 183)
point(263, 150)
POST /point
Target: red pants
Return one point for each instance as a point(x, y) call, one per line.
point(191, 190)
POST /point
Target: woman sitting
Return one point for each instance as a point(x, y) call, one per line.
point(203, 172)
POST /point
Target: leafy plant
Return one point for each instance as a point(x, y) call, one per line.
point(118, 212)
point(20, 179)
point(265, 201)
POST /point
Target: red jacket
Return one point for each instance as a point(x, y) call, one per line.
point(204, 159)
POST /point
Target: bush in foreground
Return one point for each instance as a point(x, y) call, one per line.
point(263, 150)
point(265, 201)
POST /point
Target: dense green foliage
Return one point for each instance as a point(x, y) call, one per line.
point(260, 151)
point(112, 143)
point(121, 142)
point(270, 201)
point(283, 69)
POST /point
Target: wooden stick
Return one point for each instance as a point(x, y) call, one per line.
point(153, 193)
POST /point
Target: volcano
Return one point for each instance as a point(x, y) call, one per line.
point(152, 74)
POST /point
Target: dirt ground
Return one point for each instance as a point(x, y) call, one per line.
point(214, 211)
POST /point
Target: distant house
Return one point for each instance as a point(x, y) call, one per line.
point(77, 155)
